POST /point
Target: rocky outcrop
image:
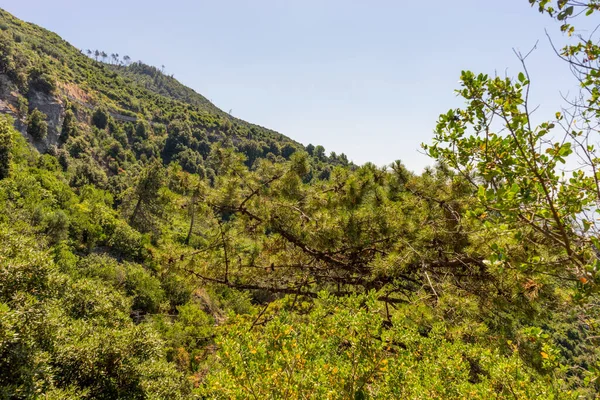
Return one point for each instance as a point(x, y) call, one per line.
point(50, 105)
point(54, 109)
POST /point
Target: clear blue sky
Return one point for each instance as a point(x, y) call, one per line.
point(367, 78)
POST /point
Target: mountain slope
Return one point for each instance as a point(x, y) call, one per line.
point(38, 62)
point(122, 115)
point(156, 81)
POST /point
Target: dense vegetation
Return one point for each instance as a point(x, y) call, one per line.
point(154, 247)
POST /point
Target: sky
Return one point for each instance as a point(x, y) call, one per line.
point(364, 78)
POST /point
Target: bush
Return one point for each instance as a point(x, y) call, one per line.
point(144, 289)
point(64, 337)
point(42, 81)
point(77, 146)
point(57, 226)
point(37, 126)
point(126, 240)
point(6, 145)
point(88, 172)
point(100, 118)
point(191, 161)
point(22, 106)
point(69, 127)
point(338, 349)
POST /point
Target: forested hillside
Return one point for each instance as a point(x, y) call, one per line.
point(154, 247)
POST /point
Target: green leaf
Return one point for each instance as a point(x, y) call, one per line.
point(586, 225)
point(569, 11)
point(565, 150)
point(481, 192)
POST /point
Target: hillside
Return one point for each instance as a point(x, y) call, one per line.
point(40, 70)
point(154, 247)
point(156, 81)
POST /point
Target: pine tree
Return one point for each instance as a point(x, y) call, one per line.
point(148, 207)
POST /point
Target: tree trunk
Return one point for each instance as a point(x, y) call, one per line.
point(193, 215)
point(135, 211)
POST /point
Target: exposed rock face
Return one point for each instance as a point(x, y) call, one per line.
point(8, 99)
point(50, 105)
point(55, 111)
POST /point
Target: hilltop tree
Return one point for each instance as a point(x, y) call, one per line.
point(343, 159)
point(127, 59)
point(6, 143)
point(287, 150)
point(104, 56)
point(319, 152)
point(96, 54)
point(37, 126)
point(310, 149)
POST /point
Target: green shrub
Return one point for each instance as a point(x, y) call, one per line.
point(100, 118)
point(42, 81)
point(37, 126)
point(126, 240)
point(69, 127)
point(6, 145)
point(339, 349)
